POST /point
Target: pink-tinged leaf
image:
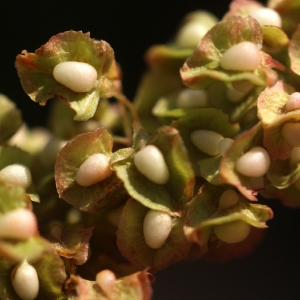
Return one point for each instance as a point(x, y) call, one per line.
point(131, 241)
point(248, 186)
point(136, 286)
point(36, 71)
point(294, 51)
point(203, 66)
point(204, 213)
point(271, 105)
point(70, 158)
point(289, 196)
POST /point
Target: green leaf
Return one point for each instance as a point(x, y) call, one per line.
point(170, 197)
point(131, 242)
point(10, 118)
point(36, 71)
point(271, 105)
point(202, 67)
point(204, 213)
point(70, 158)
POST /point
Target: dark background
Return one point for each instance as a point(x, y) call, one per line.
point(273, 270)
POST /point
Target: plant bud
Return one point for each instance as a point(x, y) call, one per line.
point(157, 227)
point(192, 99)
point(207, 141)
point(95, 169)
point(20, 224)
point(232, 232)
point(224, 145)
point(106, 280)
point(291, 133)
point(25, 281)
point(293, 102)
point(228, 198)
point(266, 16)
point(16, 175)
point(243, 56)
point(151, 163)
point(254, 163)
point(77, 76)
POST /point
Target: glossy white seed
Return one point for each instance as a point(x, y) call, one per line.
point(25, 281)
point(20, 224)
point(95, 169)
point(228, 198)
point(254, 163)
point(293, 102)
point(151, 163)
point(295, 156)
point(291, 133)
point(157, 227)
point(243, 56)
point(207, 141)
point(192, 99)
point(266, 16)
point(224, 145)
point(106, 280)
point(77, 76)
point(232, 232)
point(16, 175)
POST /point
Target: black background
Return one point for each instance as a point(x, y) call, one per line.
point(273, 270)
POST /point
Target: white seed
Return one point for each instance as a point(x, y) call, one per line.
point(157, 227)
point(77, 76)
point(151, 163)
point(95, 169)
point(106, 280)
point(242, 86)
point(20, 224)
point(228, 198)
point(206, 141)
point(293, 102)
point(16, 175)
point(243, 56)
point(192, 99)
point(254, 163)
point(232, 232)
point(224, 145)
point(266, 16)
point(25, 281)
point(291, 133)
point(295, 156)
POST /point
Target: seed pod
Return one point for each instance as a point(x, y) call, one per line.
point(192, 98)
point(25, 281)
point(157, 227)
point(232, 232)
point(254, 163)
point(151, 163)
point(20, 224)
point(95, 169)
point(266, 16)
point(291, 133)
point(228, 198)
point(79, 77)
point(206, 141)
point(106, 280)
point(16, 175)
point(243, 56)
